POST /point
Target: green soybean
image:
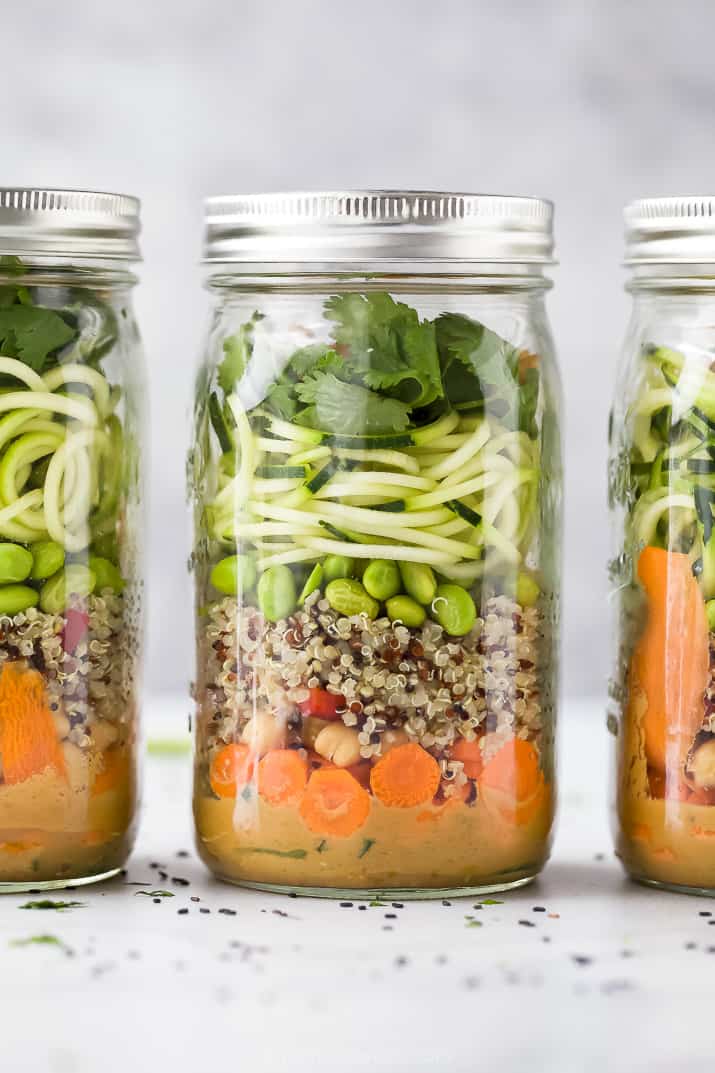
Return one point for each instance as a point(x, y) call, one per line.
point(105, 545)
point(106, 575)
point(75, 580)
point(16, 598)
point(276, 593)
point(47, 558)
point(313, 582)
point(406, 610)
point(15, 563)
point(335, 566)
point(382, 578)
point(349, 597)
point(419, 581)
point(710, 609)
point(235, 573)
point(527, 590)
point(453, 608)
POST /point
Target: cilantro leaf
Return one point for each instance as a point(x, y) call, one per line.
point(32, 334)
point(282, 397)
point(237, 351)
point(350, 409)
point(479, 365)
point(387, 346)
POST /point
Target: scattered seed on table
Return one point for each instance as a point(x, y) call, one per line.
point(204, 909)
point(711, 950)
point(154, 864)
point(546, 938)
point(400, 962)
point(581, 959)
point(182, 912)
point(691, 946)
point(362, 907)
point(390, 916)
point(163, 875)
point(538, 909)
point(387, 927)
point(471, 983)
point(600, 857)
point(527, 923)
point(182, 853)
point(195, 898)
point(445, 902)
point(554, 916)
point(705, 913)
point(180, 882)
point(228, 912)
point(441, 959)
point(397, 905)
point(346, 905)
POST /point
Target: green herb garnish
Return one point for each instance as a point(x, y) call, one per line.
point(293, 854)
point(43, 940)
point(48, 903)
point(155, 893)
point(367, 845)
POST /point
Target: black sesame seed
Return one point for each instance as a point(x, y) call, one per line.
point(390, 916)
point(156, 901)
point(346, 905)
point(203, 909)
point(538, 909)
point(400, 962)
point(527, 924)
point(180, 882)
point(228, 912)
point(691, 946)
point(445, 902)
point(182, 853)
point(581, 959)
point(195, 898)
point(387, 927)
point(163, 875)
point(397, 905)
point(704, 913)
point(182, 912)
point(362, 907)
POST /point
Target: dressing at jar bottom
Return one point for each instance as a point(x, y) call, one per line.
point(451, 847)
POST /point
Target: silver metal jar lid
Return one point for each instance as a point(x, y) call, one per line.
point(374, 227)
point(675, 230)
point(68, 223)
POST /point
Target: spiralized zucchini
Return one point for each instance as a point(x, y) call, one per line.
point(459, 493)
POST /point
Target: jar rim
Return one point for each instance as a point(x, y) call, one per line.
point(367, 229)
point(670, 230)
point(85, 224)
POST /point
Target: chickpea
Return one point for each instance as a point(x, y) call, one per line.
point(338, 743)
point(263, 732)
point(62, 725)
point(311, 728)
point(702, 766)
point(391, 738)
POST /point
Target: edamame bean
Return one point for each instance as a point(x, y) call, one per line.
point(15, 563)
point(527, 590)
point(75, 580)
point(453, 608)
point(349, 597)
point(235, 573)
point(47, 558)
point(407, 610)
point(276, 593)
point(313, 582)
point(105, 545)
point(16, 598)
point(106, 575)
point(419, 581)
point(382, 578)
point(335, 566)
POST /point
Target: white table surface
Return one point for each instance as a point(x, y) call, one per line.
point(611, 977)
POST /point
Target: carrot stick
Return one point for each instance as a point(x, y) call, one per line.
point(669, 667)
point(405, 777)
point(28, 739)
point(282, 775)
point(334, 803)
point(231, 769)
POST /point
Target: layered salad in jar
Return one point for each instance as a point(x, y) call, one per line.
point(373, 693)
point(662, 480)
point(69, 609)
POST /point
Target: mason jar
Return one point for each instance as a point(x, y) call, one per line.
point(70, 535)
point(376, 483)
point(662, 492)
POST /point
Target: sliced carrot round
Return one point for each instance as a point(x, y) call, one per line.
point(282, 775)
point(406, 776)
point(231, 769)
point(470, 755)
point(334, 803)
point(514, 782)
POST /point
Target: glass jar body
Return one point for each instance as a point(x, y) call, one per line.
point(376, 480)
point(662, 490)
point(70, 571)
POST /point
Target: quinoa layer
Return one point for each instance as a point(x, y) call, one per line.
point(435, 688)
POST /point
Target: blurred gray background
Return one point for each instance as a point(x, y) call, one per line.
point(587, 103)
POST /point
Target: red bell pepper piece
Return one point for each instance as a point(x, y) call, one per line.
point(322, 705)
